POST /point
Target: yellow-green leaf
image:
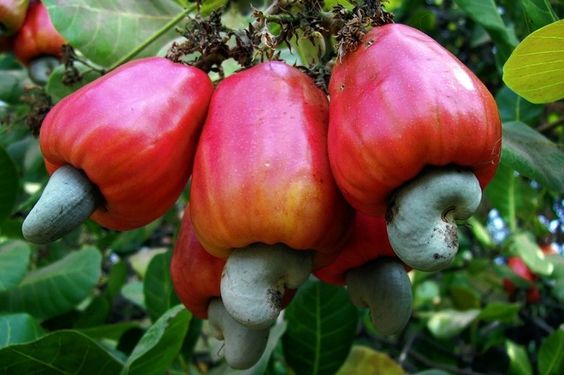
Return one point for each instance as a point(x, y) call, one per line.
point(535, 69)
point(363, 360)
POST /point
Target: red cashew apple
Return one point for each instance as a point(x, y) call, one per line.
point(38, 44)
point(262, 193)
point(520, 268)
point(120, 148)
point(375, 278)
point(196, 278)
point(12, 15)
point(413, 135)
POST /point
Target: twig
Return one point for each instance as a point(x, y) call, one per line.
point(548, 126)
point(427, 362)
point(407, 347)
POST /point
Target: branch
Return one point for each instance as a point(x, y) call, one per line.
point(454, 370)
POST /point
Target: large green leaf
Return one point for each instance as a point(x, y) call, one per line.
point(157, 286)
point(14, 259)
point(485, 13)
point(61, 352)
point(17, 329)
point(519, 362)
point(533, 155)
point(551, 354)
point(512, 107)
point(107, 30)
point(56, 288)
point(321, 327)
point(538, 13)
point(9, 184)
point(160, 344)
point(535, 70)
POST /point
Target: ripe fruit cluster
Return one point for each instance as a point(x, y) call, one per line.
point(358, 190)
point(26, 29)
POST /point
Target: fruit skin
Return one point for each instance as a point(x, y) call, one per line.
point(261, 172)
point(368, 241)
point(402, 102)
point(37, 37)
point(374, 275)
point(196, 274)
point(12, 15)
point(134, 133)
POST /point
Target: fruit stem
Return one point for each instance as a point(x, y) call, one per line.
point(421, 220)
point(67, 201)
point(255, 279)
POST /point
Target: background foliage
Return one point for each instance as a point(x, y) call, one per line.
point(102, 302)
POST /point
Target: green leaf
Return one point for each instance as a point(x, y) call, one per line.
point(18, 328)
point(160, 344)
point(210, 5)
point(157, 286)
point(61, 352)
point(551, 354)
point(106, 30)
point(56, 288)
point(116, 279)
point(503, 312)
point(485, 13)
point(58, 90)
point(133, 291)
point(519, 362)
point(12, 85)
point(9, 184)
point(426, 293)
point(535, 70)
point(533, 155)
point(14, 259)
point(503, 195)
point(95, 314)
point(109, 331)
point(449, 323)
point(464, 296)
point(538, 13)
point(130, 241)
point(512, 107)
point(525, 247)
point(321, 328)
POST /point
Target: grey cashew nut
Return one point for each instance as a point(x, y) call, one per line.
point(384, 287)
point(255, 279)
point(421, 219)
point(41, 68)
point(67, 201)
point(243, 346)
